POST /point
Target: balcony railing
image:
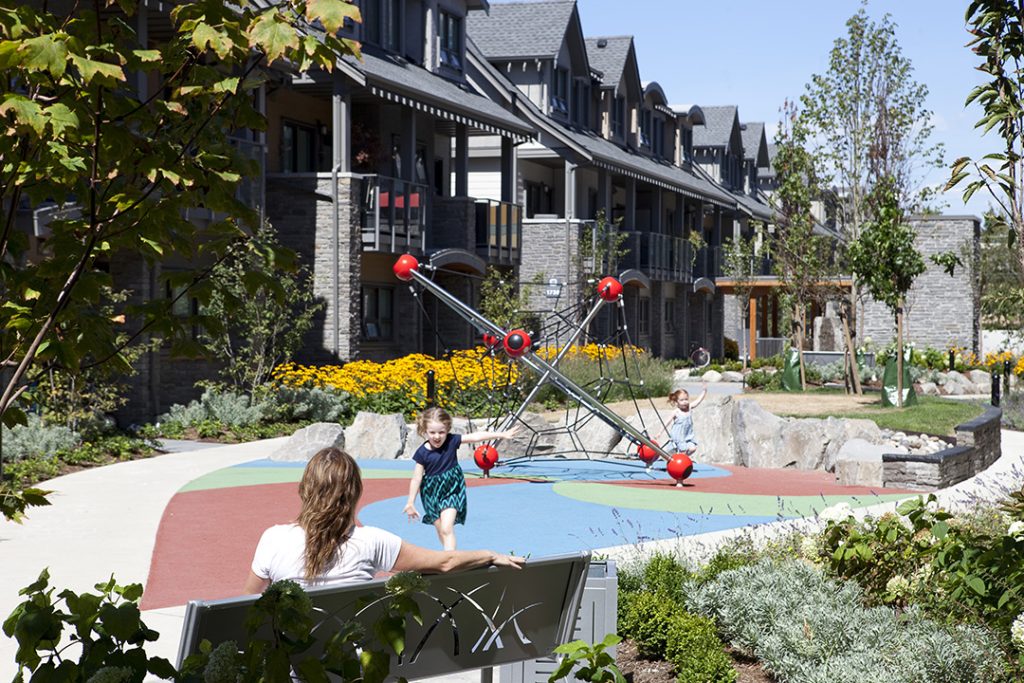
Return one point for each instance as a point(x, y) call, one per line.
point(499, 231)
point(392, 214)
point(708, 263)
point(661, 257)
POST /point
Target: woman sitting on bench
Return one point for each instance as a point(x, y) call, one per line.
point(324, 546)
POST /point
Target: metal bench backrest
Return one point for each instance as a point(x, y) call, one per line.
point(471, 620)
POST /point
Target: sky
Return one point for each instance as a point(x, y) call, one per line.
point(755, 54)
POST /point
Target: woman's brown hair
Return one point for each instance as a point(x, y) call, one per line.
point(433, 414)
point(330, 489)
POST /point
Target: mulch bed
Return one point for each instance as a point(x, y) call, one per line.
point(639, 670)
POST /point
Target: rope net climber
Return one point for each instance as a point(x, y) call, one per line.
point(519, 368)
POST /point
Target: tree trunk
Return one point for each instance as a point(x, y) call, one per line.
point(798, 316)
point(899, 354)
point(852, 352)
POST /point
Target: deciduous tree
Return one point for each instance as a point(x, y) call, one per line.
point(121, 137)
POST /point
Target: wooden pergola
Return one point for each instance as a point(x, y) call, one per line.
point(766, 290)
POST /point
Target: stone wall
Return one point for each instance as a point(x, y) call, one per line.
point(941, 311)
point(978, 446)
point(301, 210)
point(550, 249)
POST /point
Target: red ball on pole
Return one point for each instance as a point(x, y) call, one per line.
point(404, 266)
point(646, 453)
point(609, 289)
point(679, 467)
point(485, 457)
point(490, 340)
point(516, 343)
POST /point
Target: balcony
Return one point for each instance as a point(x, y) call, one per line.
point(708, 263)
point(499, 230)
point(661, 257)
point(392, 214)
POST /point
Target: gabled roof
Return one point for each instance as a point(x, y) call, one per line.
point(611, 56)
point(520, 30)
point(768, 171)
point(398, 80)
point(720, 124)
point(755, 144)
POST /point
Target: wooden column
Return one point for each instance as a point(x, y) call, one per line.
point(752, 346)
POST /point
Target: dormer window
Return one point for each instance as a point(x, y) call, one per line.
point(645, 128)
point(619, 117)
point(451, 41)
point(382, 22)
point(560, 93)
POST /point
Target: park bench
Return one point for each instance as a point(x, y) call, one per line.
point(476, 619)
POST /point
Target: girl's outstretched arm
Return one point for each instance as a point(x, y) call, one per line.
point(414, 487)
point(703, 395)
point(475, 437)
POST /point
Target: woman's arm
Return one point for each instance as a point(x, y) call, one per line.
point(476, 437)
point(414, 558)
point(255, 584)
point(414, 487)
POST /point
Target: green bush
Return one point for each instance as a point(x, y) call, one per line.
point(1013, 410)
point(35, 440)
point(647, 621)
point(696, 651)
point(214, 408)
point(767, 361)
point(614, 380)
point(768, 381)
point(731, 349)
point(307, 404)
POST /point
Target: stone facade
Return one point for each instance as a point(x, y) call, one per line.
point(941, 311)
point(299, 207)
point(550, 250)
point(978, 446)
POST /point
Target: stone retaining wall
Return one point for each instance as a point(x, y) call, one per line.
point(978, 446)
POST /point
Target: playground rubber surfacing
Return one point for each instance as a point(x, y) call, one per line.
point(534, 508)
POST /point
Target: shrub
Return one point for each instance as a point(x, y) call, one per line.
point(832, 372)
point(696, 651)
point(806, 627)
point(1013, 410)
point(213, 409)
point(36, 440)
point(731, 349)
point(759, 379)
point(647, 621)
point(307, 404)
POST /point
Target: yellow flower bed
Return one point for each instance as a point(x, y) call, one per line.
point(473, 368)
point(1019, 368)
point(997, 359)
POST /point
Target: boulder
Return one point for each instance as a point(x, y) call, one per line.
point(594, 436)
point(680, 377)
point(374, 436)
point(713, 422)
point(954, 388)
point(711, 376)
point(928, 389)
point(732, 376)
point(758, 437)
point(859, 463)
point(801, 444)
point(980, 377)
point(306, 442)
point(839, 431)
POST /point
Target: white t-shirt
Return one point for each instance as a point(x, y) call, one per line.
point(280, 554)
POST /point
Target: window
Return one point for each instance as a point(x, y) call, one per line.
point(687, 144)
point(619, 117)
point(538, 199)
point(378, 314)
point(645, 128)
point(581, 104)
point(382, 22)
point(298, 148)
point(658, 137)
point(643, 322)
point(451, 41)
point(670, 315)
point(560, 93)
point(184, 307)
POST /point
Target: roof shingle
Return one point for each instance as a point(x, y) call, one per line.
point(610, 60)
point(520, 30)
point(717, 128)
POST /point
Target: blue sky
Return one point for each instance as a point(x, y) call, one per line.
point(755, 54)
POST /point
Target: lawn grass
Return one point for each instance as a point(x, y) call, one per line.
point(931, 415)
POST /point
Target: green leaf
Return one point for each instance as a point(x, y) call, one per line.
point(332, 13)
point(26, 112)
point(61, 119)
point(977, 585)
point(375, 666)
point(122, 621)
point(391, 630)
point(271, 33)
point(92, 70)
point(204, 36)
point(45, 53)
point(940, 529)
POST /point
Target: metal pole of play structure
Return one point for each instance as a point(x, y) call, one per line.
point(431, 389)
point(995, 388)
